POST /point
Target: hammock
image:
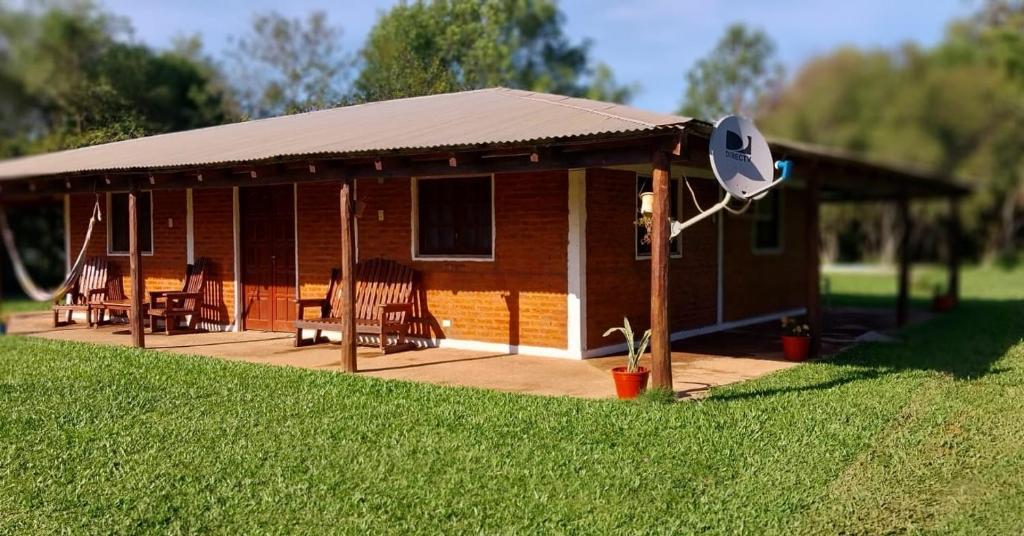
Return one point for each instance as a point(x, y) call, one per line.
point(29, 286)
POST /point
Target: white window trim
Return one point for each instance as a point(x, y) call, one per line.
point(414, 235)
point(782, 229)
point(110, 222)
point(675, 248)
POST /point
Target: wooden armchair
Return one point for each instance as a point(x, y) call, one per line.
point(174, 305)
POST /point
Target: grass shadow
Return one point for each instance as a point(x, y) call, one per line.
point(963, 344)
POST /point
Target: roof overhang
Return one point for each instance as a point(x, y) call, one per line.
point(486, 131)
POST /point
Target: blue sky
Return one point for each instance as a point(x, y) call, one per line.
point(652, 42)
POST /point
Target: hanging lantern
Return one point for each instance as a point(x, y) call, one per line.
point(647, 203)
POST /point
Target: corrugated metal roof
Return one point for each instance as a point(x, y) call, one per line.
point(481, 117)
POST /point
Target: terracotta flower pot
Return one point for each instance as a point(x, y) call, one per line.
point(796, 347)
point(629, 385)
point(943, 303)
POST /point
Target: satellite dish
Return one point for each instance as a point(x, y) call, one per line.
point(740, 158)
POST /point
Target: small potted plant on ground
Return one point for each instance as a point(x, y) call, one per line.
point(631, 380)
point(796, 339)
point(942, 301)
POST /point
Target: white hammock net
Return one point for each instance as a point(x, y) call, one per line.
point(27, 284)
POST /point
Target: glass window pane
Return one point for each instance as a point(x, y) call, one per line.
point(454, 216)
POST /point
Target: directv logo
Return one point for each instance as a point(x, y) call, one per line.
point(740, 157)
point(735, 148)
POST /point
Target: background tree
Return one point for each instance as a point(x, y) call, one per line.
point(290, 65)
point(82, 81)
point(993, 40)
point(71, 76)
point(439, 46)
point(957, 109)
point(735, 76)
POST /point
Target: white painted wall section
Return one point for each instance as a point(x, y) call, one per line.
point(576, 295)
point(237, 264)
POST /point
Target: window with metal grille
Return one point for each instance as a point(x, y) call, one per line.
point(455, 217)
point(117, 223)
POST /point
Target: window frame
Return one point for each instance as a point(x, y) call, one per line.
point(110, 223)
point(676, 247)
point(415, 222)
point(780, 227)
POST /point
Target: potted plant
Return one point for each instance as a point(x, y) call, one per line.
point(796, 339)
point(942, 301)
point(631, 380)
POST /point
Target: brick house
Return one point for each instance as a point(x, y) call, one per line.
point(516, 209)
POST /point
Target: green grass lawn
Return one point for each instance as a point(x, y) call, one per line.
point(922, 436)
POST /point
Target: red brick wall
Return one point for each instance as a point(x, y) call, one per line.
point(319, 223)
point(518, 299)
point(619, 285)
point(764, 283)
point(213, 215)
point(165, 268)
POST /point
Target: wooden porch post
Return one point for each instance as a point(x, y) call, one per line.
point(903, 299)
point(348, 283)
point(135, 270)
point(813, 264)
point(954, 248)
point(661, 352)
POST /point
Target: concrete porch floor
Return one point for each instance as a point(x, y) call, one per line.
point(697, 364)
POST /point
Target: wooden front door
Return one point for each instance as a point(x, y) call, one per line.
point(268, 257)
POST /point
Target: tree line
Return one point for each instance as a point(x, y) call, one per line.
point(956, 108)
point(73, 74)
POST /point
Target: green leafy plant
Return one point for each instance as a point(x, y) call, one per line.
point(645, 221)
point(636, 349)
point(794, 328)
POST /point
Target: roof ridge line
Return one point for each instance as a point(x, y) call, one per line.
point(596, 112)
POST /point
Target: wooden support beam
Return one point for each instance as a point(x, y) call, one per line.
point(348, 282)
point(661, 351)
point(812, 233)
point(954, 248)
point(135, 319)
point(903, 297)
